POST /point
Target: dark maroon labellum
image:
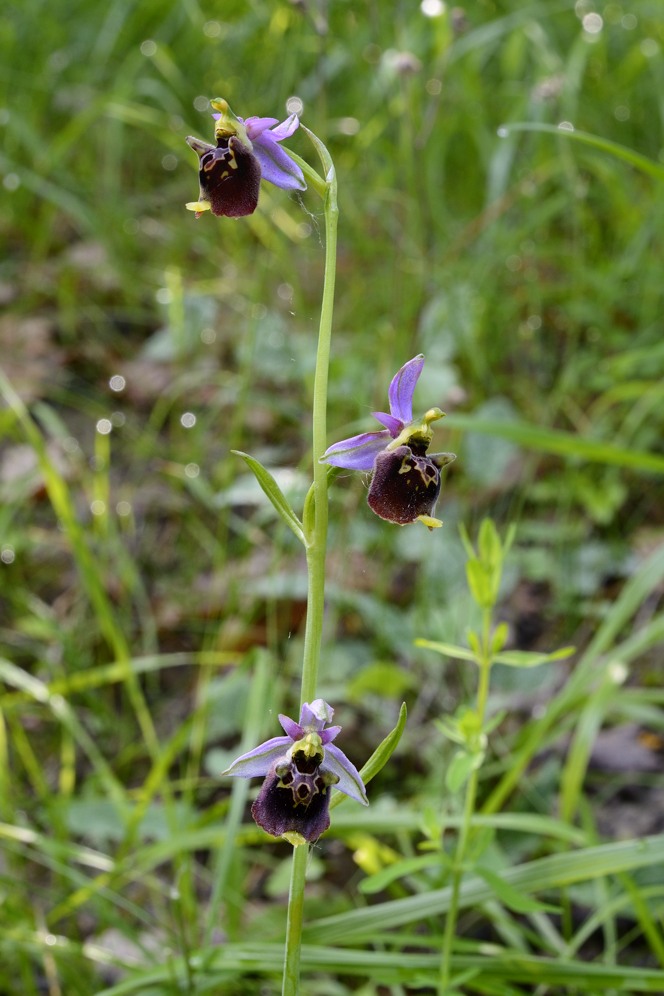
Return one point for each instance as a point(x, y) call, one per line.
point(230, 178)
point(295, 798)
point(405, 485)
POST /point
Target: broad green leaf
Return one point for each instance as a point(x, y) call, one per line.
point(274, 493)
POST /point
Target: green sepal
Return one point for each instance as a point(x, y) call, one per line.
point(274, 493)
point(313, 178)
point(380, 756)
point(323, 155)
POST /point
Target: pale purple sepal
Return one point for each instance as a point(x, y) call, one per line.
point(290, 727)
point(257, 762)
point(350, 782)
point(357, 452)
point(256, 126)
point(313, 719)
point(276, 165)
point(393, 425)
point(402, 389)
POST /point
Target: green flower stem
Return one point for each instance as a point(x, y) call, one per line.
point(316, 544)
point(317, 538)
point(291, 982)
point(484, 664)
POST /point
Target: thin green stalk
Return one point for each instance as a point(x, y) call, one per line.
point(316, 537)
point(291, 982)
point(468, 810)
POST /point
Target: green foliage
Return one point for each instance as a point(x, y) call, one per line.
point(151, 601)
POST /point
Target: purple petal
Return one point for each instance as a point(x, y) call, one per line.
point(315, 715)
point(329, 734)
point(276, 165)
point(293, 729)
point(402, 388)
point(257, 762)
point(393, 425)
point(350, 781)
point(256, 126)
point(357, 452)
point(286, 128)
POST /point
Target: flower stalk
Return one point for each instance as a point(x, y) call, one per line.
point(317, 537)
point(316, 540)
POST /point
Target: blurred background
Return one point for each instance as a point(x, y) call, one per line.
point(138, 346)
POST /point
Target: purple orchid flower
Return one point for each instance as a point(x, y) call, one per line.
point(405, 482)
point(246, 152)
point(299, 769)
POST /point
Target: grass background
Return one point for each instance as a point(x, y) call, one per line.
point(151, 605)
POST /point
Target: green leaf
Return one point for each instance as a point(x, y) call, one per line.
point(383, 878)
point(553, 872)
point(622, 152)
point(448, 649)
point(380, 756)
point(489, 545)
point(461, 767)
point(274, 493)
point(380, 678)
point(568, 445)
point(511, 897)
point(479, 583)
point(450, 730)
point(499, 638)
point(525, 658)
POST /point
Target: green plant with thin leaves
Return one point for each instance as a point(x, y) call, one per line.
point(471, 728)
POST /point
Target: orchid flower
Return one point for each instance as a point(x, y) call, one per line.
point(246, 152)
point(299, 770)
point(405, 482)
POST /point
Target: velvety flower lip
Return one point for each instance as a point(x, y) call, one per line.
point(299, 769)
point(246, 151)
point(406, 480)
